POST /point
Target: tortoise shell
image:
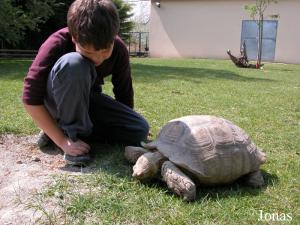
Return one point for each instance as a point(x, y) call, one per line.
point(212, 149)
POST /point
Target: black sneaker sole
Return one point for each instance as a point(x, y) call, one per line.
point(81, 160)
point(43, 140)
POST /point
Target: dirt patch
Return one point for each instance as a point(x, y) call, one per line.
point(25, 169)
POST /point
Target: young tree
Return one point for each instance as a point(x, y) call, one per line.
point(141, 16)
point(126, 25)
point(256, 12)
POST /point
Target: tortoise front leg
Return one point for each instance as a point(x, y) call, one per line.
point(178, 182)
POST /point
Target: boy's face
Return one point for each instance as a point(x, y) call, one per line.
point(96, 56)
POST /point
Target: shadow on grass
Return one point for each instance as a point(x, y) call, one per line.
point(106, 158)
point(152, 73)
point(216, 193)
point(234, 190)
point(11, 69)
point(17, 69)
point(237, 189)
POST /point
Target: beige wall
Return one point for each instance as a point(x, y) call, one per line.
point(207, 28)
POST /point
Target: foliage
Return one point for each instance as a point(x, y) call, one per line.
point(124, 13)
point(33, 39)
point(142, 17)
point(28, 23)
point(17, 17)
point(256, 10)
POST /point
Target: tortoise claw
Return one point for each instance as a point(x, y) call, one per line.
point(178, 182)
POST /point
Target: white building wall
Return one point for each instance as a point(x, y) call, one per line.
point(207, 28)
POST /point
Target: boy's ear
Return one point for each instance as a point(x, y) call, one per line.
point(74, 41)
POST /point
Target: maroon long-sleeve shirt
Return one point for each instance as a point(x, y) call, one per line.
point(60, 43)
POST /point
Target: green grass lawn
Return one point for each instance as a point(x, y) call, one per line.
point(265, 103)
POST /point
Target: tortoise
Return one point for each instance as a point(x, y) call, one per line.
point(198, 150)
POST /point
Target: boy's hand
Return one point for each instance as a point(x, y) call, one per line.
point(74, 148)
point(45, 121)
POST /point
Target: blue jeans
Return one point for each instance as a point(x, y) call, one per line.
point(85, 113)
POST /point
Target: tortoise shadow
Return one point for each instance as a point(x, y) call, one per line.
point(235, 189)
point(215, 193)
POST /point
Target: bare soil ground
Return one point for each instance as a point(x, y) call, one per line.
point(25, 169)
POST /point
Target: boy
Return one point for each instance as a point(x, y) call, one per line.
point(62, 90)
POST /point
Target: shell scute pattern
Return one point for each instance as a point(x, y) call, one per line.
point(221, 132)
point(199, 141)
point(172, 132)
point(213, 149)
point(239, 135)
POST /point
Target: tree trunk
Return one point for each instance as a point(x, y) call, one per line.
point(260, 38)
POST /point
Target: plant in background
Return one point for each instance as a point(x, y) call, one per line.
point(25, 24)
point(256, 12)
point(126, 25)
point(17, 17)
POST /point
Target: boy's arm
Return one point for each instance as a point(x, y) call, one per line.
point(43, 119)
point(121, 75)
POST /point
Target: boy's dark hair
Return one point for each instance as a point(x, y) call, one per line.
point(93, 22)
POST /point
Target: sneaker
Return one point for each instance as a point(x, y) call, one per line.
point(43, 140)
point(81, 160)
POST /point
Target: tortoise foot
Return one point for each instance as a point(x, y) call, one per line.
point(178, 182)
point(255, 179)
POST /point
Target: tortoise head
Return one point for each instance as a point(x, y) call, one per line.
point(261, 156)
point(148, 165)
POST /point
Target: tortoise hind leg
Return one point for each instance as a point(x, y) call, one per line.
point(255, 179)
point(178, 182)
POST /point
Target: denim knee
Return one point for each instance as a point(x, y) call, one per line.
point(74, 65)
point(68, 92)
